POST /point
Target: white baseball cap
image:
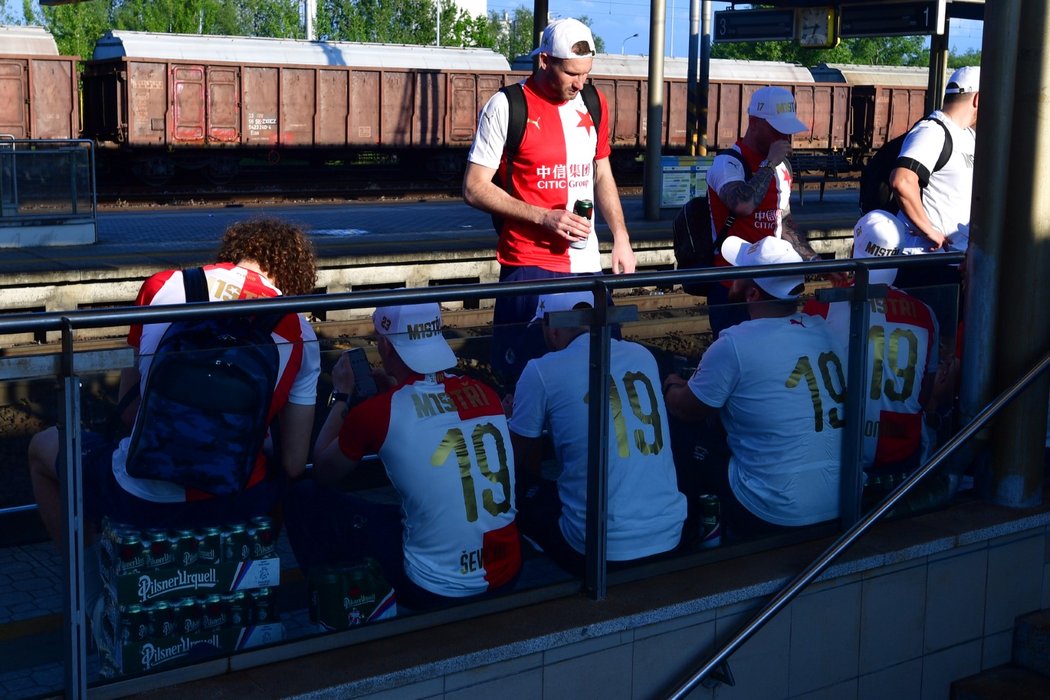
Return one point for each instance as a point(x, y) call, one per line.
point(565, 301)
point(415, 332)
point(777, 106)
point(561, 35)
point(769, 250)
point(963, 80)
point(879, 234)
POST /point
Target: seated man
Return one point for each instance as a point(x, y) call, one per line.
point(262, 258)
point(778, 382)
point(904, 385)
point(645, 509)
point(444, 443)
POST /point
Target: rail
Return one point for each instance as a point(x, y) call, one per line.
point(844, 541)
point(599, 320)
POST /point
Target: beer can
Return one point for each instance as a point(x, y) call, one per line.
point(188, 616)
point(264, 607)
point(326, 587)
point(186, 547)
point(264, 542)
point(215, 614)
point(710, 521)
point(162, 619)
point(130, 553)
point(159, 550)
point(209, 545)
point(238, 609)
point(236, 544)
point(584, 208)
point(135, 624)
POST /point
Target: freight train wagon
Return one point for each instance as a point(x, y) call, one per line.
point(884, 101)
point(624, 82)
point(38, 88)
point(168, 101)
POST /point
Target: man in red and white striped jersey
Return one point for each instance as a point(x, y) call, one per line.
point(563, 157)
point(261, 258)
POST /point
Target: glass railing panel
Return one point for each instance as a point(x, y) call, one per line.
point(50, 179)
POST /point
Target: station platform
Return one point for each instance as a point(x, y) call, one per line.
point(358, 244)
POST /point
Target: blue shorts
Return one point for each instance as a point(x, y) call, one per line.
point(104, 497)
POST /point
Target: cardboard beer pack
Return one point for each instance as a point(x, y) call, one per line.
point(128, 657)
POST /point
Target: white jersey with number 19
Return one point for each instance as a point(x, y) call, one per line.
point(445, 445)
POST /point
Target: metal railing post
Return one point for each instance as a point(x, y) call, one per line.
point(851, 480)
point(598, 445)
point(71, 496)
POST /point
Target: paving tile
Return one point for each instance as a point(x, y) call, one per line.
point(955, 589)
point(892, 615)
point(900, 682)
point(825, 636)
point(1012, 588)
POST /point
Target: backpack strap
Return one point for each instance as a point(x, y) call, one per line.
point(519, 112)
point(593, 103)
point(942, 160)
point(731, 218)
point(195, 283)
point(946, 149)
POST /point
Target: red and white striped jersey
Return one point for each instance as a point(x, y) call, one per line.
point(296, 345)
point(553, 168)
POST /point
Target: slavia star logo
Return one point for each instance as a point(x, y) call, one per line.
point(585, 121)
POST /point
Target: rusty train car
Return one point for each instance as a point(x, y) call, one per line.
point(38, 88)
point(159, 103)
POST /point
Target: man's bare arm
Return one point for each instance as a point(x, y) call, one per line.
point(905, 185)
point(608, 202)
point(480, 192)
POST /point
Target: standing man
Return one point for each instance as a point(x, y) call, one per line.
point(444, 443)
point(750, 190)
point(935, 203)
point(645, 509)
point(563, 157)
point(778, 383)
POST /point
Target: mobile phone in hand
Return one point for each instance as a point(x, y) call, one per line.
point(364, 383)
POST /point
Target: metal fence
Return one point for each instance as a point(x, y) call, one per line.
point(69, 365)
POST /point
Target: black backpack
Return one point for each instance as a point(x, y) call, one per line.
point(875, 191)
point(203, 414)
point(691, 230)
point(518, 116)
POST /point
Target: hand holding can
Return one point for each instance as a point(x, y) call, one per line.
point(584, 208)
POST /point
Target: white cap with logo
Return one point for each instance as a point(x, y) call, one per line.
point(879, 234)
point(964, 80)
point(561, 35)
point(769, 250)
point(415, 332)
point(777, 106)
point(564, 301)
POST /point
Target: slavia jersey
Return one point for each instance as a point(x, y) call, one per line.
point(902, 351)
point(445, 445)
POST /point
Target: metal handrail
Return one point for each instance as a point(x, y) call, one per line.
point(844, 541)
point(67, 323)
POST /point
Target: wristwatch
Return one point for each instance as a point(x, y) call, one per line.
point(338, 396)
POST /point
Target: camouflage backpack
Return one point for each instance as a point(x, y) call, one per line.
point(204, 409)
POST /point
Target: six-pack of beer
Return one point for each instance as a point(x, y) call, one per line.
point(171, 596)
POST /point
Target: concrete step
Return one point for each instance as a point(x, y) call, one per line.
point(1000, 683)
point(1032, 642)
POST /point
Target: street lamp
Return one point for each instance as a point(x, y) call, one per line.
point(624, 42)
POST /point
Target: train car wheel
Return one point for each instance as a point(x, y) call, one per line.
point(154, 170)
point(220, 171)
